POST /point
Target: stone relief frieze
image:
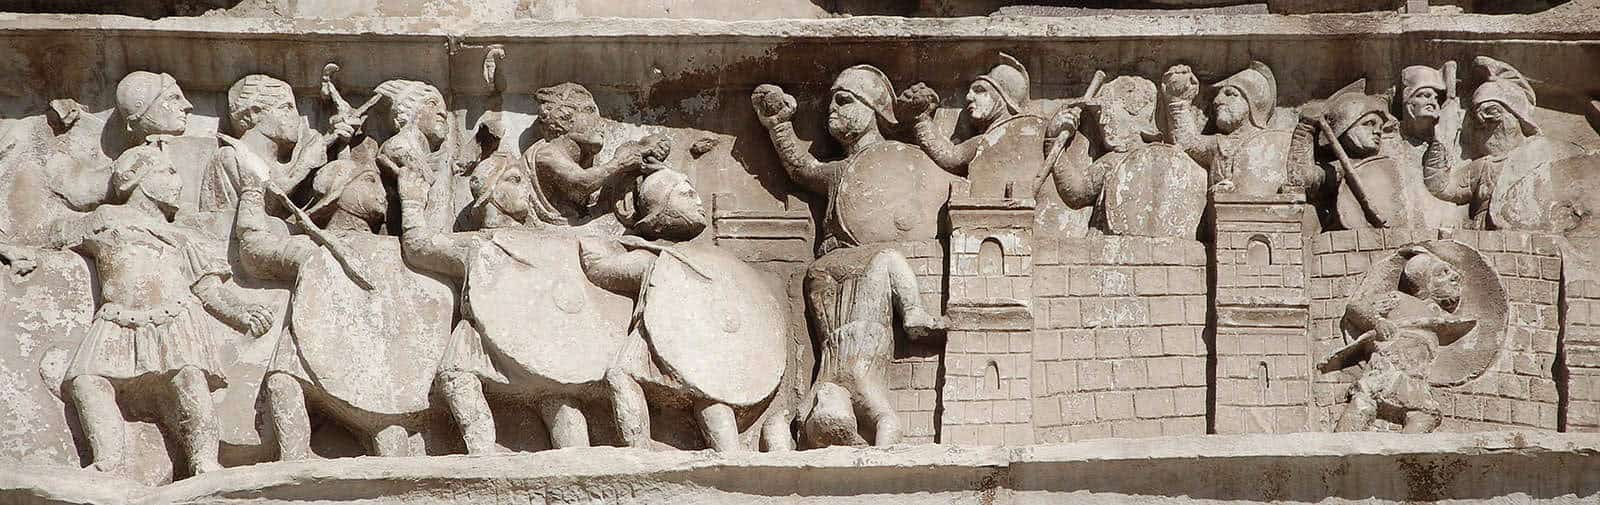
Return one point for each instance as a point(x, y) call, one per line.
point(410, 286)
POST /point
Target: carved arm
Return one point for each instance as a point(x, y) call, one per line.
point(950, 156)
point(1078, 178)
point(262, 253)
point(620, 272)
point(1451, 184)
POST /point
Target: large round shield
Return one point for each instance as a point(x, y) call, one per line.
point(1260, 163)
point(1011, 153)
point(377, 350)
point(1155, 191)
point(1575, 196)
point(889, 192)
point(1383, 197)
point(538, 311)
point(715, 325)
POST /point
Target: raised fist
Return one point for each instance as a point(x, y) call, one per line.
point(256, 319)
point(916, 102)
point(1180, 84)
point(1066, 121)
point(772, 105)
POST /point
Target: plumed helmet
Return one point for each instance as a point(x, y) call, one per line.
point(567, 93)
point(871, 86)
point(255, 89)
point(1347, 106)
point(1508, 86)
point(1011, 79)
point(138, 90)
point(1260, 90)
point(1418, 77)
point(332, 179)
point(407, 97)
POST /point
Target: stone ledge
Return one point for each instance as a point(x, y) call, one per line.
point(1569, 28)
point(1372, 467)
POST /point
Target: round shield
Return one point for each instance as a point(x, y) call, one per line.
point(1011, 153)
point(377, 350)
point(1483, 299)
point(715, 325)
point(1260, 163)
point(539, 312)
point(1575, 196)
point(1383, 196)
point(1155, 191)
point(889, 192)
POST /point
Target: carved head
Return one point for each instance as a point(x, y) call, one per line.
point(352, 187)
point(417, 103)
point(668, 207)
point(1359, 121)
point(1503, 112)
point(569, 109)
point(862, 95)
point(1125, 112)
point(1428, 277)
point(152, 104)
point(1247, 97)
point(150, 175)
point(502, 185)
point(264, 104)
point(1006, 83)
point(1422, 90)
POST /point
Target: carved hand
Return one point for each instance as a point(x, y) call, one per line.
point(772, 105)
point(917, 102)
point(254, 172)
point(1180, 84)
point(257, 319)
point(20, 258)
point(630, 156)
point(1066, 120)
point(1387, 329)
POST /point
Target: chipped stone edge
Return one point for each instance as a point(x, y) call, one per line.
point(82, 486)
point(1568, 28)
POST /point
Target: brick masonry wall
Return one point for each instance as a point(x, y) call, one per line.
point(1263, 372)
point(917, 399)
point(1119, 337)
point(1518, 389)
point(989, 349)
point(1582, 352)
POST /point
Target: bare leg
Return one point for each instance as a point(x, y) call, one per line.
point(775, 436)
point(719, 426)
point(100, 418)
point(629, 406)
point(1359, 414)
point(874, 398)
point(889, 279)
point(463, 394)
point(567, 426)
point(291, 424)
point(195, 420)
point(833, 418)
point(392, 440)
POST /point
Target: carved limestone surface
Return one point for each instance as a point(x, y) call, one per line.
point(1433, 314)
point(1136, 184)
point(1507, 182)
point(292, 260)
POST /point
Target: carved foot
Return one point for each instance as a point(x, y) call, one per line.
point(920, 324)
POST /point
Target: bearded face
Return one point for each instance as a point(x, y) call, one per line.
point(433, 121)
point(164, 186)
point(1500, 129)
point(1364, 138)
point(1423, 105)
point(278, 120)
point(1233, 111)
point(984, 103)
point(1444, 287)
point(849, 118)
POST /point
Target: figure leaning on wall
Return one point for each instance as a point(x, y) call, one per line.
point(881, 195)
